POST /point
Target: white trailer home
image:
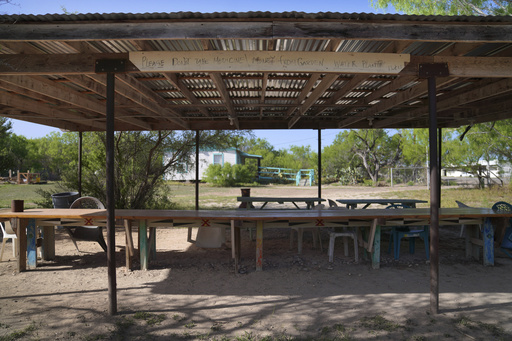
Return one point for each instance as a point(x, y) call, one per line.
point(208, 157)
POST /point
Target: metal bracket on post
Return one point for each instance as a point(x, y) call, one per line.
point(428, 70)
point(110, 65)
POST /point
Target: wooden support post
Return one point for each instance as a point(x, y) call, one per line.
point(48, 242)
point(129, 248)
point(319, 180)
point(80, 149)
point(376, 248)
point(143, 245)
point(152, 243)
point(430, 72)
point(31, 244)
point(488, 236)
point(21, 243)
point(259, 245)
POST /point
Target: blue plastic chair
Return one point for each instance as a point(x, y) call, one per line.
point(506, 244)
point(411, 232)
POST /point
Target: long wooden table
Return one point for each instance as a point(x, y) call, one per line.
point(369, 220)
point(352, 203)
point(310, 202)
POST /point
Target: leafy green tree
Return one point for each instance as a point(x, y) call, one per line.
point(54, 154)
point(415, 147)
point(297, 157)
point(376, 149)
point(19, 151)
point(6, 155)
point(139, 164)
point(338, 161)
point(482, 142)
point(496, 136)
point(448, 7)
point(259, 146)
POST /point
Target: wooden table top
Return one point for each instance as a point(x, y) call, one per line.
point(278, 199)
point(380, 201)
point(254, 215)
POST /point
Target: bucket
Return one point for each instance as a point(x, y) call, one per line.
point(64, 199)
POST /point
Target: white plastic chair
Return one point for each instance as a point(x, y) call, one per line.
point(8, 233)
point(344, 232)
point(300, 233)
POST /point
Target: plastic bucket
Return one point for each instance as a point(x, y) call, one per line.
point(64, 199)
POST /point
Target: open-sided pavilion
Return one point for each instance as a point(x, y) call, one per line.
point(257, 70)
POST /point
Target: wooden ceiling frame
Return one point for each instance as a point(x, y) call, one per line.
point(44, 53)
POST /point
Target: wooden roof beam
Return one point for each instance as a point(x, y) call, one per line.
point(95, 87)
point(137, 92)
point(454, 100)
point(63, 93)
point(325, 84)
point(189, 95)
point(308, 87)
point(221, 86)
point(384, 30)
point(388, 103)
point(71, 119)
point(338, 95)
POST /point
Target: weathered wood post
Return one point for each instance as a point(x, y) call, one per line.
point(431, 71)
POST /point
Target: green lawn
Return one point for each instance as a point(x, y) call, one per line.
point(9, 192)
point(470, 196)
point(184, 195)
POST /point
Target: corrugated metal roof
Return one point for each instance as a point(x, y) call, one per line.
point(212, 99)
point(244, 15)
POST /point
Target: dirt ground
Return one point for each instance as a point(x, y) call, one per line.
point(191, 293)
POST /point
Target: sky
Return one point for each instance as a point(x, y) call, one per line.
point(280, 139)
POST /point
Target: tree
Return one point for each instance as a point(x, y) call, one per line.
point(481, 142)
point(338, 161)
point(415, 147)
point(139, 164)
point(376, 149)
point(6, 156)
point(448, 7)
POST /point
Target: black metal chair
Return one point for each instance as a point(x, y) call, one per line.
point(87, 233)
point(506, 244)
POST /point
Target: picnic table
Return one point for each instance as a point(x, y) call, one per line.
point(310, 202)
point(368, 221)
point(352, 203)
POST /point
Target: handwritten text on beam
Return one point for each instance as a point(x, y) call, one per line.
point(372, 63)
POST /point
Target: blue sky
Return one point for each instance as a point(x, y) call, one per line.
point(279, 138)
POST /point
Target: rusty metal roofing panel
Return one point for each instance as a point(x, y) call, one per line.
point(236, 16)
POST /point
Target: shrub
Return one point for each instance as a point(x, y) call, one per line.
point(228, 175)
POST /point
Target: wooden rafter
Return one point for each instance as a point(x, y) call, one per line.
point(325, 84)
point(221, 87)
point(173, 79)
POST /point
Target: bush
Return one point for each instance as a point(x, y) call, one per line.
point(228, 175)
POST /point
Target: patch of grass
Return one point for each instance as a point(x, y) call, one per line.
point(475, 197)
point(464, 321)
point(418, 338)
point(379, 323)
point(27, 193)
point(217, 326)
point(178, 317)
point(246, 337)
point(496, 331)
point(151, 319)
point(190, 325)
point(19, 334)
